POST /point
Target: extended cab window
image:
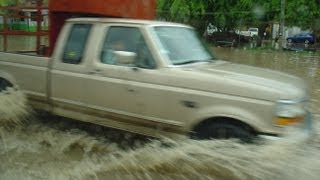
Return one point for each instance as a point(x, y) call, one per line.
point(125, 46)
point(75, 45)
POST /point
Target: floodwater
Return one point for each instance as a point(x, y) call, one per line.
point(32, 147)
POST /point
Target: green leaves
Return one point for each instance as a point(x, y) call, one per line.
point(4, 2)
point(181, 10)
point(227, 14)
point(302, 13)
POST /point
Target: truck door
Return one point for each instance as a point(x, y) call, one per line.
point(69, 68)
point(132, 85)
point(107, 80)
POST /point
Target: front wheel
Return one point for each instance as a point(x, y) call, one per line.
point(225, 130)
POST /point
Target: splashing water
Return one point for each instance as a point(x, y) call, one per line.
point(13, 107)
point(289, 158)
point(35, 150)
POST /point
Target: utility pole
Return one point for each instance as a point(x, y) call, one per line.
point(282, 21)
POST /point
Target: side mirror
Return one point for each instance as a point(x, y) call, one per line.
point(125, 57)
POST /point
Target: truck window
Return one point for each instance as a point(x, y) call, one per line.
point(74, 48)
point(127, 39)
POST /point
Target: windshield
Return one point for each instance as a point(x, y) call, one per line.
point(253, 30)
point(181, 45)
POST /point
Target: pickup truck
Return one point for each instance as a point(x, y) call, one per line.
point(253, 31)
point(154, 78)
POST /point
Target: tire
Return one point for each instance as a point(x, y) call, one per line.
point(4, 84)
point(225, 130)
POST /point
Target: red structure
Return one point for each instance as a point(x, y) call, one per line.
point(14, 12)
point(60, 10)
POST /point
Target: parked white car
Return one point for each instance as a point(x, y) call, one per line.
point(253, 31)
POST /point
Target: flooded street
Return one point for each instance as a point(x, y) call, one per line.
point(35, 148)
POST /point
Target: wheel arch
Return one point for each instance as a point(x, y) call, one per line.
point(9, 78)
point(223, 119)
point(249, 116)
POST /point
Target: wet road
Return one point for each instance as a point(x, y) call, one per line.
point(34, 148)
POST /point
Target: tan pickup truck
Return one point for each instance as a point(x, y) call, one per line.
point(154, 78)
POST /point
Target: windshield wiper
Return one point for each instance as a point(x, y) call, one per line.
point(193, 61)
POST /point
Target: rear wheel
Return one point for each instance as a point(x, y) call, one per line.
point(4, 84)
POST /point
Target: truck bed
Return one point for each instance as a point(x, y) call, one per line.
point(26, 59)
point(29, 72)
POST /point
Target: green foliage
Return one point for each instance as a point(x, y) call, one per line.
point(180, 10)
point(228, 14)
point(12, 2)
point(302, 13)
point(5, 2)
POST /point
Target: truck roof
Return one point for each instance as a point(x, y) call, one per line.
point(125, 20)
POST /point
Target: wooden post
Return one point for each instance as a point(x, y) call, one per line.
point(5, 30)
point(39, 20)
point(282, 24)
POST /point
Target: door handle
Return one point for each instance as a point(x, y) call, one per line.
point(96, 71)
point(131, 90)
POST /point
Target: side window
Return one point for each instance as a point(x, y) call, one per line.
point(75, 46)
point(126, 41)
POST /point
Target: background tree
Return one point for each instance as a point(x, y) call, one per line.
point(180, 10)
point(230, 14)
